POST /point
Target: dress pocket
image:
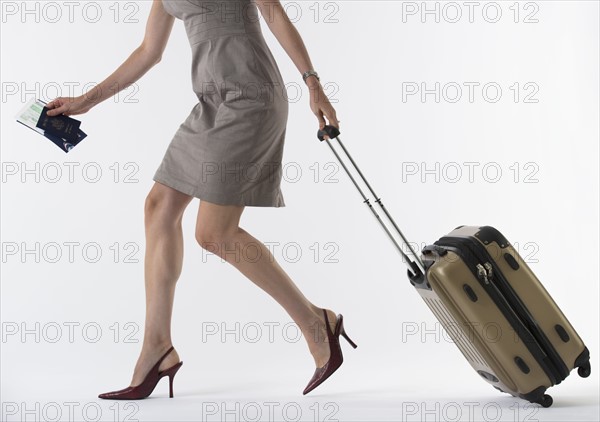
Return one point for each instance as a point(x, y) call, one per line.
point(236, 68)
point(242, 110)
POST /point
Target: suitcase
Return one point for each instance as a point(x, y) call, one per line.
point(487, 299)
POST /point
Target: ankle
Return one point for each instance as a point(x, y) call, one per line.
point(316, 330)
point(313, 318)
point(156, 344)
point(317, 312)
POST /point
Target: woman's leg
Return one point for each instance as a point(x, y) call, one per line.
point(163, 261)
point(218, 231)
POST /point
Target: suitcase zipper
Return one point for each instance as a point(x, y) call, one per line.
point(512, 308)
point(488, 267)
point(482, 273)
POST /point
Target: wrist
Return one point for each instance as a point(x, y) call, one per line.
point(313, 83)
point(87, 100)
point(310, 76)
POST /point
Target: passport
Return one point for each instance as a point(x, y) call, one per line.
point(62, 126)
point(63, 144)
point(29, 116)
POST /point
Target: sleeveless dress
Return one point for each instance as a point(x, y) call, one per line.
point(229, 149)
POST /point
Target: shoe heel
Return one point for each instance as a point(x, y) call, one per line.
point(171, 373)
point(343, 333)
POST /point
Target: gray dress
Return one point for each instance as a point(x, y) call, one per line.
point(229, 149)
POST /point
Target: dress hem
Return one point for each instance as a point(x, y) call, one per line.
point(276, 202)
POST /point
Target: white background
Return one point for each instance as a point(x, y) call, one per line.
point(365, 51)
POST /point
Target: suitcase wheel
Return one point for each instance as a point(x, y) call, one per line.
point(585, 370)
point(546, 401)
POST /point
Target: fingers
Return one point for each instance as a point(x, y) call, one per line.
point(55, 102)
point(56, 111)
point(331, 116)
point(321, 119)
point(321, 122)
point(326, 110)
point(57, 107)
point(51, 105)
point(330, 113)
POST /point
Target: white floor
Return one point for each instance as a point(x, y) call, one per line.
point(205, 392)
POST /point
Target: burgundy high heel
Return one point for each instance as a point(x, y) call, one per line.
point(336, 358)
point(144, 389)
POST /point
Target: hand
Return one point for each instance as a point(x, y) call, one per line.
point(320, 105)
point(68, 106)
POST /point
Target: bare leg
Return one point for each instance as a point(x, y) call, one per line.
point(218, 231)
point(163, 261)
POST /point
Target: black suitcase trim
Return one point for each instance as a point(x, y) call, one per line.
point(538, 396)
point(488, 234)
point(582, 363)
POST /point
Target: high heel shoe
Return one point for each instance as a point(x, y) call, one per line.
point(336, 358)
point(144, 389)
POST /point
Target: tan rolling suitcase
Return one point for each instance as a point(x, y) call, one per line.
point(489, 301)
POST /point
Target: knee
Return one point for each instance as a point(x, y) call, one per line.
point(159, 206)
point(216, 240)
point(154, 202)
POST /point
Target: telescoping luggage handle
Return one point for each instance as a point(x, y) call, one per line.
point(415, 267)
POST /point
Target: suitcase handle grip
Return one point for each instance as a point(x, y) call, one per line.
point(328, 130)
